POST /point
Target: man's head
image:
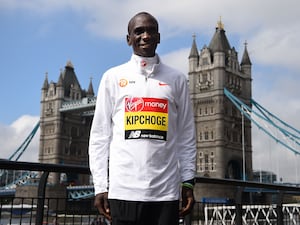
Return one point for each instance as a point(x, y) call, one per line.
point(143, 34)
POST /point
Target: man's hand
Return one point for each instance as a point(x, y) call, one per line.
point(188, 201)
point(101, 203)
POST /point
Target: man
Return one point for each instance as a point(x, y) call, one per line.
point(142, 140)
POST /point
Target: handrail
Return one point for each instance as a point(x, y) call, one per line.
point(46, 169)
point(279, 189)
point(32, 166)
point(252, 184)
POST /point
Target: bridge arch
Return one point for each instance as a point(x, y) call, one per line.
point(234, 169)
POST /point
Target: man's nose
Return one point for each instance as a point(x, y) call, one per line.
point(146, 35)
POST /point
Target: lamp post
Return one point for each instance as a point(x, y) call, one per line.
point(243, 144)
point(6, 179)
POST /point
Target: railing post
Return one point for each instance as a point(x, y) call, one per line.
point(279, 208)
point(41, 199)
point(238, 206)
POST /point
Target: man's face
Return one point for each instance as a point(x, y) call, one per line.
point(143, 36)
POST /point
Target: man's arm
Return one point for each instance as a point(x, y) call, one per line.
point(188, 200)
point(100, 136)
point(187, 135)
point(187, 149)
point(101, 203)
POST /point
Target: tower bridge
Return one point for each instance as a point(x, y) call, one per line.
point(221, 93)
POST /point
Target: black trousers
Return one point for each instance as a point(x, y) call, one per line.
point(144, 213)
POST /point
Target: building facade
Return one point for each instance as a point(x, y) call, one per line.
point(223, 150)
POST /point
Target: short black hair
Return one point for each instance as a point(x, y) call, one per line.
point(140, 14)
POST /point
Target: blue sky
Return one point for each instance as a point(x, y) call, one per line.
point(41, 36)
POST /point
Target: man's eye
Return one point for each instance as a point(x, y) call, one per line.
point(138, 31)
point(149, 31)
point(152, 31)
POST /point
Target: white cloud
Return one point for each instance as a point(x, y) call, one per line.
point(34, 6)
point(277, 47)
point(271, 28)
point(178, 59)
point(12, 137)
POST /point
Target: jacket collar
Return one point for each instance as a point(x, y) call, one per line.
point(146, 65)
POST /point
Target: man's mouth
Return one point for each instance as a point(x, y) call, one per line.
point(145, 45)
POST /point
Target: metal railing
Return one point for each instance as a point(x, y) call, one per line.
point(280, 209)
point(43, 209)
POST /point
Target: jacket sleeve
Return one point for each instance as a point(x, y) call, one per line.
point(186, 132)
point(100, 136)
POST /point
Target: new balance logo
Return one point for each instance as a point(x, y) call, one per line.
point(135, 134)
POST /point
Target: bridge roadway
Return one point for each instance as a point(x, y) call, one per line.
point(86, 106)
point(73, 192)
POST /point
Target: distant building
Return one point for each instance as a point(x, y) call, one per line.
point(264, 176)
point(218, 121)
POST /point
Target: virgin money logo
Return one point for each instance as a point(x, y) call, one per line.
point(134, 104)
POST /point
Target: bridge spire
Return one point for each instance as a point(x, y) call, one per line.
point(46, 83)
point(90, 92)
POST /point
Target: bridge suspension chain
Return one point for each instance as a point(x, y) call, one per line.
point(270, 124)
point(18, 153)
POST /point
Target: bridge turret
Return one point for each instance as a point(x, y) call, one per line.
point(64, 134)
point(246, 62)
point(45, 86)
point(60, 87)
point(218, 125)
point(194, 56)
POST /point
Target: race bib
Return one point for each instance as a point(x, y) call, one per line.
point(146, 118)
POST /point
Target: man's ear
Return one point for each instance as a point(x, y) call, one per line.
point(158, 38)
point(128, 40)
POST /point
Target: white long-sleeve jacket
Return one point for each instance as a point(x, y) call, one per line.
point(144, 125)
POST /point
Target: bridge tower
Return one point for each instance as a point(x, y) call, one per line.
point(64, 134)
point(223, 149)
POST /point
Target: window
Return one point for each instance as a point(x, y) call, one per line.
point(206, 135)
point(212, 166)
point(74, 132)
point(205, 61)
point(206, 162)
point(200, 162)
point(66, 150)
point(234, 136)
point(204, 78)
point(206, 158)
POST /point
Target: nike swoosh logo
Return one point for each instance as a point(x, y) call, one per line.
point(162, 84)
